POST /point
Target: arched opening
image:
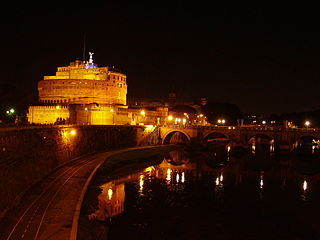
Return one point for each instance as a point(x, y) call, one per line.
point(216, 136)
point(219, 147)
point(306, 159)
point(177, 157)
point(261, 145)
point(308, 145)
point(176, 137)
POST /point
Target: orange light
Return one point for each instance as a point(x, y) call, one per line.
point(73, 132)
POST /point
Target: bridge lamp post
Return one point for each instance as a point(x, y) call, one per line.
point(112, 112)
point(221, 121)
point(10, 111)
point(169, 119)
point(143, 114)
point(184, 121)
point(307, 123)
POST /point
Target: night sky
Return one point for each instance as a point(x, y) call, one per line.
point(264, 60)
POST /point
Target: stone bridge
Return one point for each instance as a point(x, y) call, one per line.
point(238, 135)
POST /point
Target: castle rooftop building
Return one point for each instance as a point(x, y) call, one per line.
point(83, 82)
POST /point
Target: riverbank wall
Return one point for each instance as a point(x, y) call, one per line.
point(27, 155)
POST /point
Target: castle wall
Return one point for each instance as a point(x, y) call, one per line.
point(48, 114)
point(94, 114)
point(80, 91)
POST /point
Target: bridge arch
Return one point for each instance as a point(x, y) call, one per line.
point(308, 139)
point(260, 137)
point(265, 141)
point(215, 135)
point(175, 136)
point(177, 158)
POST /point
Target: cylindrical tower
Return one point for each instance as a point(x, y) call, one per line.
point(84, 83)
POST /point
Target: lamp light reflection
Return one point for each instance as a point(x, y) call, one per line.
point(177, 178)
point(305, 185)
point(217, 181)
point(182, 177)
point(261, 180)
point(110, 193)
point(168, 175)
point(221, 177)
point(141, 182)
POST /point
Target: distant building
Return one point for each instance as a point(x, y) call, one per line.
point(181, 111)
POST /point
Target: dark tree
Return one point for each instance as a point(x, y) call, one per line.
point(215, 110)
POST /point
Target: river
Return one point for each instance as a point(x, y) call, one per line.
point(215, 194)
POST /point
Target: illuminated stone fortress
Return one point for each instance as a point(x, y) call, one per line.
point(83, 93)
point(84, 83)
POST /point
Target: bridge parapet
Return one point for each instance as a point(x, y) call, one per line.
point(241, 134)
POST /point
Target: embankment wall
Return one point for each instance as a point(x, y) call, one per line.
point(27, 155)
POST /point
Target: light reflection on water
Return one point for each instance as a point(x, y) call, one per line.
point(203, 186)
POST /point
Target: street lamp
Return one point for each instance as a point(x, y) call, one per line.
point(221, 121)
point(10, 111)
point(170, 118)
point(112, 111)
point(307, 123)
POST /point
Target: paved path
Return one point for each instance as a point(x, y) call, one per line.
point(50, 210)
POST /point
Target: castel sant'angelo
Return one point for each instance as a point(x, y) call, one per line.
point(83, 93)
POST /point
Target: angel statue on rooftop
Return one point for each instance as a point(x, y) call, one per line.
point(90, 59)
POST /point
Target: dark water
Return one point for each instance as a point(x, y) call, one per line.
point(216, 195)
